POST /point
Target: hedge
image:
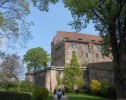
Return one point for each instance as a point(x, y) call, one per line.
point(14, 96)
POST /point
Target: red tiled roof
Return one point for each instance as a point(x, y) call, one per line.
point(78, 37)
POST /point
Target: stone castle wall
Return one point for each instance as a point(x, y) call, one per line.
point(58, 54)
point(44, 78)
point(47, 77)
point(86, 53)
point(100, 71)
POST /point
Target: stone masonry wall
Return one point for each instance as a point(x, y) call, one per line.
point(45, 78)
point(100, 71)
point(57, 54)
point(86, 53)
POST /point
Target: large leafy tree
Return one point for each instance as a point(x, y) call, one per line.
point(14, 29)
point(73, 75)
point(36, 58)
point(109, 17)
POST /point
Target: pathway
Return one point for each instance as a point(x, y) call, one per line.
point(63, 98)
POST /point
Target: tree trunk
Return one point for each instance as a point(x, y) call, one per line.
point(120, 72)
point(119, 59)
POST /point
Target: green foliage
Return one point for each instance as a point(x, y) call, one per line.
point(73, 76)
point(59, 81)
point(10, 86)
point(13, 25)
point(26, 86)
point(95, 86)
point(108, 90)
point(14, 96)
point(103, 88)
point(40, 94)
point(36, 58)
point(14, 89)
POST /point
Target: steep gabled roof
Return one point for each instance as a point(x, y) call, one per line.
point(78, 37)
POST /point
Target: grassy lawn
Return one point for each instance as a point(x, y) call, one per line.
point(84, 97)
point(50, 96)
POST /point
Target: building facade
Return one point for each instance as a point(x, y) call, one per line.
point(88, 51)
point(86, 47)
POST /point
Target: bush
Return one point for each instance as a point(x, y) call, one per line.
point(108, 90)
point(25, 86)
point(14, 96)
point(5, 85)
point(103, 88)
point(14, 89)
point(40, 94)
point(95, 86)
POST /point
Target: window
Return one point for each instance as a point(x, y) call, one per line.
point(86, 55)
point(96, 55)
point(93, 40)
point(66, 37)
point(91, 47)
point(86, 46)
point(98, 48)
point(58, 48)
point(103, 57)
point(79, 38)
point(73, 46)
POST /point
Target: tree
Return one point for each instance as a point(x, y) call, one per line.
point(73, 76)
point(36, 58)
point(11, 67)
point(13, 25)
point(109, 17)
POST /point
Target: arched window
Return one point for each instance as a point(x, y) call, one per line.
point(96, 55)
point(86, 55)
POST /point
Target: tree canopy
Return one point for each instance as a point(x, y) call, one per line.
point(11, 67)
point(14, 29)
point(73, 76)
point(36, 58)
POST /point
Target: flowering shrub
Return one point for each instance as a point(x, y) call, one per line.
point(95, 86)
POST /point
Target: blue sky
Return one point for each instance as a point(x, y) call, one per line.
point(46, 24)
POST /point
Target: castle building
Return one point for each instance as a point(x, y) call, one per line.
point(88, 51)
point(86, 47)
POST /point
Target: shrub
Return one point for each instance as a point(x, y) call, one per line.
point(81, 91)
point(14, 89)
point(5, 85)
point(95, 86)
point(40, 94)
point(107, 89)
point(14, 96)
point(26, 86)
point(103, 88)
